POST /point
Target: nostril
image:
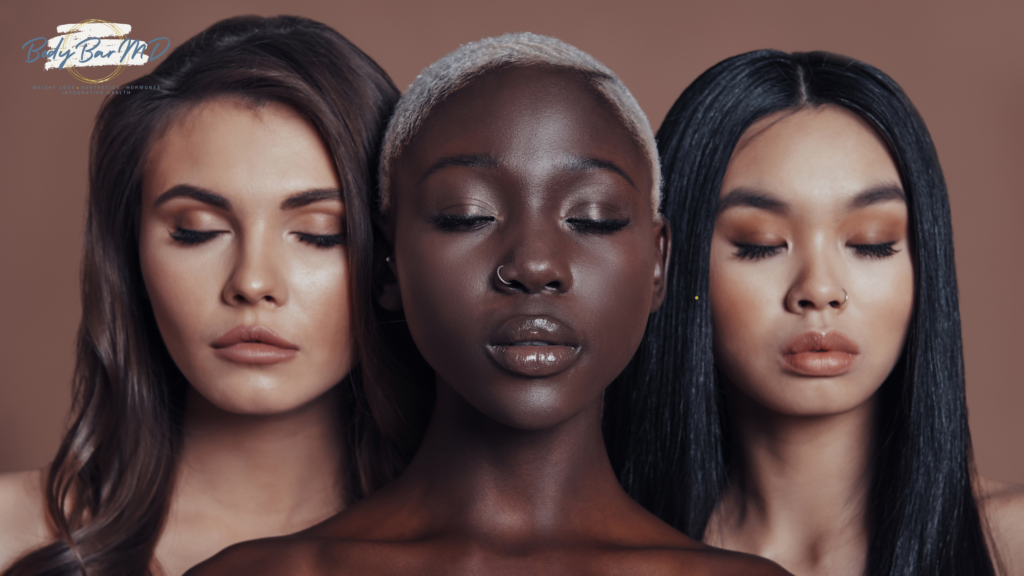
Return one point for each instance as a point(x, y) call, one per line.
point(805, 303)
point(555, 285)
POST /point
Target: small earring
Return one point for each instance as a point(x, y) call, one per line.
point(388, 259)
point(498, 272)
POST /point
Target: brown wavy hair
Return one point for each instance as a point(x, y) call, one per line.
point(109, 486)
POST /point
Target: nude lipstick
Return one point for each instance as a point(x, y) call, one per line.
point(820, 354)
point(253, 345)
point(534, 347)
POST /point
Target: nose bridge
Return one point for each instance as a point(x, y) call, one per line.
point(538, 254)
point(818, 283)
point(256, 276)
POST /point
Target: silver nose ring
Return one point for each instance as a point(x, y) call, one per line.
point(503, 281)
point(846, 296)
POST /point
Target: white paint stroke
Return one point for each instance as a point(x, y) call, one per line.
point(101, 47)
point(96, 29)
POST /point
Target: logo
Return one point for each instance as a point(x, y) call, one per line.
point(94, 43)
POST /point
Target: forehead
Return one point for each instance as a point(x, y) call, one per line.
point(232, 147)
point(526, 114)
point(825, 154)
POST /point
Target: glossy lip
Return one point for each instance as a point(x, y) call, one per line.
point(534, 346)
point(820, 354)
point(253, 345)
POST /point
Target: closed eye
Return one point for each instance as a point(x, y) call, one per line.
point(597, 226)
point(456, 222)
point(320, 240)
point(190, 237)
point(757, 251)
point(875, 251)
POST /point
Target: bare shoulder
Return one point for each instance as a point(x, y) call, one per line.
point(665, 550)
point(1002, 504)
point(309, 554)
point(717, 562)
point(283, 555)
point(23, 524)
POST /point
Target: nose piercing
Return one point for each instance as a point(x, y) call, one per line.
point(846, 296)
point(503, 281)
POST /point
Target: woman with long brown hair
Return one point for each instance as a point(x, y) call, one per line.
point(225, 295)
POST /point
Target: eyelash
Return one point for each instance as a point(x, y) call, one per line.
point(758, 252)
point(320, 240)
point(597, 226)
point(453, 222)
point(190, 237)
point(875, 251)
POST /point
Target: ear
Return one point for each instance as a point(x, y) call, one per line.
point(663, 241)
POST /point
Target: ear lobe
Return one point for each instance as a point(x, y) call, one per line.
point(663, 240)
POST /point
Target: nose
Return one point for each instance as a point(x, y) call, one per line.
point(257, 275)
point(536, 263)
point(818, 286)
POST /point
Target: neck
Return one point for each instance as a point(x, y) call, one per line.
point(799, 487)
point(513, 484)
point(280, 468)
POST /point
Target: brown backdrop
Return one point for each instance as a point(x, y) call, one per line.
point(962, 65)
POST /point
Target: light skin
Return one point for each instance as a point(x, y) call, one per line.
point(811, 283)
point(527, 169)
point(241, 225)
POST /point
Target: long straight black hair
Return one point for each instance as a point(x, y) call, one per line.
point(666, 421)
point(110, 484)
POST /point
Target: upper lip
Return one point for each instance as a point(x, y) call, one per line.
point(541, 330)
point(260, 334)
point(821, 342)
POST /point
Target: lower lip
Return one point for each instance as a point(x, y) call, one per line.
point(534, 361)
point(831, 363)
point(254, 353)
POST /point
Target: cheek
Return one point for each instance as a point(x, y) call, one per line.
point(887, 297)
point(743, 302)
point(617, 287)
point(442, 287)
point(320, 294)
point(180, 287)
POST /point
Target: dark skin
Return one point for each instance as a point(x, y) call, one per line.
point(528, 169)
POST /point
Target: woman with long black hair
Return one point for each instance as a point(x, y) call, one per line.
point(228, 359)
point(806, 369)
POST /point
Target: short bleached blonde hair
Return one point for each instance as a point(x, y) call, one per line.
point(452, 72)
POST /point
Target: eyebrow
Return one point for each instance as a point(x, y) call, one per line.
point(753, 199)
point(309, 197)
point(876, 194)
point(463, 160)
point(765, 201)
point(576, 164)
point(196, 193)
point(298, 200)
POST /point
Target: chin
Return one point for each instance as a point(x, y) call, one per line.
point(531, 407)
point(257, 398)
point(814, 398)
